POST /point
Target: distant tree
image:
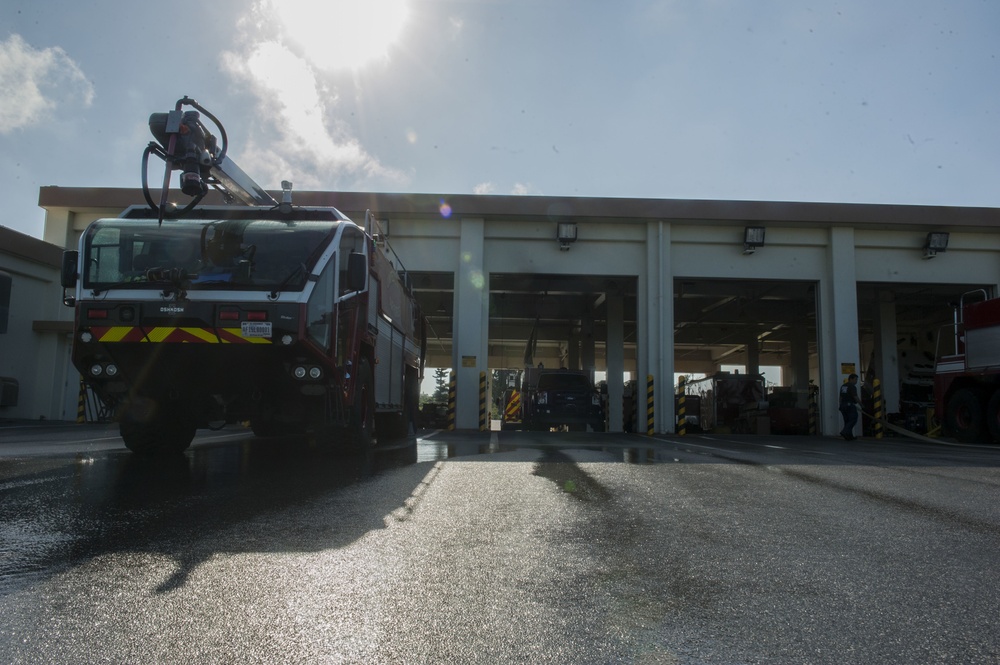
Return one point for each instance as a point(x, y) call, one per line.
point(441, 376)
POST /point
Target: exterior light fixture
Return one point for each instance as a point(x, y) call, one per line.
point(937, 241)
point(566, 235)
point(753, 237)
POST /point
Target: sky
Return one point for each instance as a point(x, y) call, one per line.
point(863, 101)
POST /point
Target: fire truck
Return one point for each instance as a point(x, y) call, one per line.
point(967, 374)
point(296, 320)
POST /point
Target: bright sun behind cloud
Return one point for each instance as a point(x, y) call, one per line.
point(342, 34)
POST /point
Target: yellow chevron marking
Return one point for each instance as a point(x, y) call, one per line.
point(115, 334)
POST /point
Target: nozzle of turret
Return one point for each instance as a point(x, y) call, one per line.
point(286, 197)
point(188, 146)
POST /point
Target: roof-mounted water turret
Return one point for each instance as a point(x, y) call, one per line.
point(185, 144)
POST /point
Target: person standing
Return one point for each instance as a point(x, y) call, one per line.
point(848, 406)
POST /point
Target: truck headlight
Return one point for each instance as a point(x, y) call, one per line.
point(299, 372)
point(111, 370)
point(96, 370)
point(315, 372)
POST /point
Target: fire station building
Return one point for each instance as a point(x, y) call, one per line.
point(637, 290)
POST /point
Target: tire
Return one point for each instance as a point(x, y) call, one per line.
point(393, 427)
point(993, 415)
point(165, 436)
point(363, 410)
point(964, 418)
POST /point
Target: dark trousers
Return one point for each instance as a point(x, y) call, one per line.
point(850, 414)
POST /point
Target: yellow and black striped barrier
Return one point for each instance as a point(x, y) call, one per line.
point(81, 404)
point(649, 405)
point(451, 402)
point(877, 398)
point(681, 407)
point(482, 401)
point(813, 410)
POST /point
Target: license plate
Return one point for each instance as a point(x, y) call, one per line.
point(255, 328)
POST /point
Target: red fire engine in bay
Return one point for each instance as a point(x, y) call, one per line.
point(295, 319)
point(967, 375)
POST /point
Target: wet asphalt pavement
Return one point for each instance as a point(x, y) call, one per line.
point(502, 547)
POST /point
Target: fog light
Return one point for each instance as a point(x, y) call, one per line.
point(96, 370)
point(85, 337)
point(286, 340)
point(315, 372)
point(299, 372)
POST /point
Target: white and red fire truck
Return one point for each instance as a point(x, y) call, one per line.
point(967, 374)
point(295, 319)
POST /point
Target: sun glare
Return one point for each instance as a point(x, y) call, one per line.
point(342, 34)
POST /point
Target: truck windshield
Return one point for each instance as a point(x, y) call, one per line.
point(226, 254)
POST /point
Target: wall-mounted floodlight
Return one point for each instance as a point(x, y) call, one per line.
point(566, 234)
point(753, 237)
point(937, 241)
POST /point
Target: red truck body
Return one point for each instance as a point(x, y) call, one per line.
point(967, 372)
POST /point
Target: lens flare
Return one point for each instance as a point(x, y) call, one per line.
point(445, 209)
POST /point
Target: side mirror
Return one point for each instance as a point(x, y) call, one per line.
point(357, 271)
point(69, 273)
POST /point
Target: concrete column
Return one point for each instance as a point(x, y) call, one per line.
point(573, 351)
point(838, 326)
point(753, 355)
point(615, 346)
point(799, 379)
point(469, 347)
point(886, 357)
point(58, 228)
point(655, 329)
point(588, 351)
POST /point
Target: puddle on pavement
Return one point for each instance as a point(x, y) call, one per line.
point(432, 450)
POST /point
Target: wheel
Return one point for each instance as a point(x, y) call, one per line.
point(964, 416)
point(993, 415)
point(166, 436)
point(397, 426)
point(363, 411)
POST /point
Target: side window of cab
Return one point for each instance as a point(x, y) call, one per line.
point(319, 309)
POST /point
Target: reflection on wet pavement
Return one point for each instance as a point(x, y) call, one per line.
point(440, 445)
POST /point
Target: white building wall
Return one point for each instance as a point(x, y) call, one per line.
point(38, 360)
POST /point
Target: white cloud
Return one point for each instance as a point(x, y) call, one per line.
point(301, 143)
point(35, 84)
point(299, 136)
point(369, 29)
point(519, 189)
